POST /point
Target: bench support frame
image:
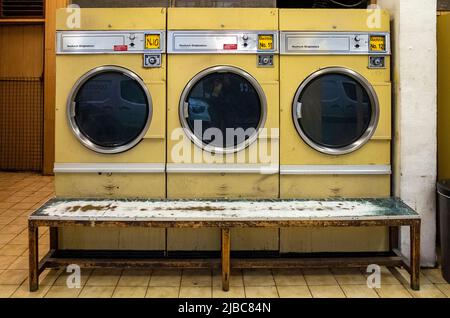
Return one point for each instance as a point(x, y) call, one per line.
point(412, 264)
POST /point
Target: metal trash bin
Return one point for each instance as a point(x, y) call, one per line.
point(443, 189)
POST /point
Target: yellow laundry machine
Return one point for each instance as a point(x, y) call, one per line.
point(111, 108)
point(335, 122)
point(223, 113)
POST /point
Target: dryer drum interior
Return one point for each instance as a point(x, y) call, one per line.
point(110, 109)
point(222, 109)
point(336, 111)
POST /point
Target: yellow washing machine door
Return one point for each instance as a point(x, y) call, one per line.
point(336, 110)
point(222, 109)
point(110, 109)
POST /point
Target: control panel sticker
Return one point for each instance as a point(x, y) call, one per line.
point(265, 42)
point(152, 41)
point(230, 46)
point(377, 43)
point(120, 48)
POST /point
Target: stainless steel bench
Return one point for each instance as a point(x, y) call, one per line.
point(224, 215)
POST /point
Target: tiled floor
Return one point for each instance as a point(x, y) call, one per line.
point(21, 193)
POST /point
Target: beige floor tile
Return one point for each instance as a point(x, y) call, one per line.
point(261, 292)
point(7, 290)
point(5, 219)
point(403, 277)
point(323, 291)
point(6, 261)
point(258, 277)
point(167, 278)
point(24, 291)
point(135, 278)
point(62, 278)
point(359, 291)
point(387, 278)
point(62, 292)
point(47, 277)
point(426, 291)
point(444, 288)
point(13, 277)
point(294, 291)
point(97, 292)
point(193, 278)
point(20, 263)
point(288, 277)
point(195, 292)
point(234, 292)
point(317, 277)
point(104, 277)
point(12, 229)
point(349, 277)
point(236, 279)
point(13, 250)
point(162, 292)
point(393, 291)
point(434, 275)
point(130, 292)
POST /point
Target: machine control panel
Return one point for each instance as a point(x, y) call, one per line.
point(222, 42)
point(337, 43)
point(110, 42)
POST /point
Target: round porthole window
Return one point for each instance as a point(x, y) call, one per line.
point(222, 109)
point(336, 111)
point(109, 109)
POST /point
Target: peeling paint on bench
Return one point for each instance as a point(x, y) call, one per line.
point(225, 210)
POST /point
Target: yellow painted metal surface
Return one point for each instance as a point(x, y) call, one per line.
point(334, 186)
point(151, 150)
point(69, 69)
point(222, 19)
point(112, 19)
point(141, 239)
point(110, 185)
point(334, 20)
point(444, 97)
point(182, 68)
point(348, 239)
point(294, 69)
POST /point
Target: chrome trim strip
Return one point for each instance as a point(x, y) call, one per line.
point(209, 41)
point(222, 168)
point(71, 109)
point(330, 44)
point(104, 34)
point(184, 116)
point(335, 169)
point(109, 168)
point(375, 104)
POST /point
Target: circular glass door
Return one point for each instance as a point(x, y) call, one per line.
point(336, 111)
point(222, 109)
point(110, 109)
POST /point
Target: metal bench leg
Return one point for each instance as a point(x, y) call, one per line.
point(33, 256)
point(226, 259)
point(415, 254)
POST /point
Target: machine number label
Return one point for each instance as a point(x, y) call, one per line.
point(265, 42)
point(152, 41)
point(377, 43)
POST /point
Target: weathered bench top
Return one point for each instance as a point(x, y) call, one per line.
point(224, 210)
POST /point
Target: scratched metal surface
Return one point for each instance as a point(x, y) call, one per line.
point(224, 210)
